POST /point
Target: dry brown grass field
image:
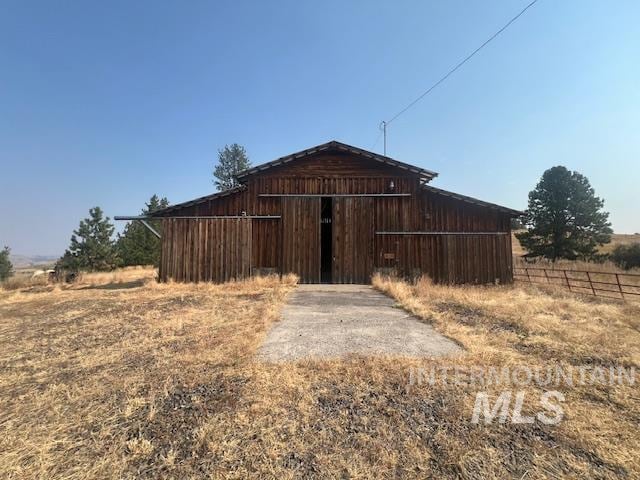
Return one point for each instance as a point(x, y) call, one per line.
point(620, 239)
point(607, 266)
point(616, 239)
point(120, 377)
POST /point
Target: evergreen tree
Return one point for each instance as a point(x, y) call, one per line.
point(92, 247)
point(516, 224)
point(232, 159)
point(564, 218)
point(137, 245)
point(6, 268)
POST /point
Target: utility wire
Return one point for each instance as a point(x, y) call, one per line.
point(377, 138)
point(462, 62)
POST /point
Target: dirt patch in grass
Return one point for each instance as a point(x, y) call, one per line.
point(168, 425)
point(479, 318)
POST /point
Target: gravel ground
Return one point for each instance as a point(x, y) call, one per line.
point(327, 321)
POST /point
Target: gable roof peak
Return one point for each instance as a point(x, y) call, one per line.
point(425, 174)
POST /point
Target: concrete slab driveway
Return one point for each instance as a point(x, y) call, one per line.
point(325, 321)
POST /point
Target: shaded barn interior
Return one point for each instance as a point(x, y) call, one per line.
point(336, 214)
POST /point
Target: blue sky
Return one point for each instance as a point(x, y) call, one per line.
point(107, 103)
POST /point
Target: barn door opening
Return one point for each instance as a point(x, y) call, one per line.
point(326, 242)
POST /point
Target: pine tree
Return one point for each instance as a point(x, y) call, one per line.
point(6, 268)
point(137, 245)
point(564, 218)
point(92, 247)
point(232, 159)
point(516, 224)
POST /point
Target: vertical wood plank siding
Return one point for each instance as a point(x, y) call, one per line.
point(353, 240)
point(216, 250)
point(222, 249)
point(301, 238)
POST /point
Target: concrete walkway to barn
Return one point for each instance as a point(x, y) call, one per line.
point(325, 321)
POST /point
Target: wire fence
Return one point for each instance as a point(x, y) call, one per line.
point(600, 284)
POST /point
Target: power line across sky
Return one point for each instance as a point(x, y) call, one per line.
point(386, 123)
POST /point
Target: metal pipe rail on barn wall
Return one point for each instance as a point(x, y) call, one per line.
point(334, 195)
point(591, 282)
point(144, 219)
point(268, 217)
point(442, 233)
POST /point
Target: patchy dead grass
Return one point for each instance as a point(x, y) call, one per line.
point(132, 276)
point(22, 281)
point(114, 375)
point(536, 328)
point(116, 379)
point(120, 276)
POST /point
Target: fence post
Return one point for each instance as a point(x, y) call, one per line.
point(526, 270)
point(591, 284)
point(567, 279)
point(545, 275)
point(619, 286)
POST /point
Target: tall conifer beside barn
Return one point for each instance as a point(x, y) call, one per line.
point(137, 245)
point(92, 247)
point(232, 159)
point(564, 218)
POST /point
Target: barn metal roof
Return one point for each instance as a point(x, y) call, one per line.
point(337, 146)
point(163, 211)
point(475, 201)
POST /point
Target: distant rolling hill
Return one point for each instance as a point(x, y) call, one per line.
point(616, 239)
point(26, 261)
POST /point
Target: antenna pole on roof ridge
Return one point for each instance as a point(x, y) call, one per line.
point(383, 127)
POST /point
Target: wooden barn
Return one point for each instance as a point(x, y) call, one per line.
point(336, 214)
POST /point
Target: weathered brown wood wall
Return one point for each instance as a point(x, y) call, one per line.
point(449, 258)
point(445, 258)
point(301, 238)
point(266, 246)
point(221, 249)
point(353, 239)
point(215, 250)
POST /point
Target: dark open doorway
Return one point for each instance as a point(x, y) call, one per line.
point(326, 253)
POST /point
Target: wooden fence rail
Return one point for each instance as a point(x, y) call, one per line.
point(600, 284)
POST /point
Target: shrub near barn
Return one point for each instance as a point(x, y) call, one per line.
point(626, 256)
